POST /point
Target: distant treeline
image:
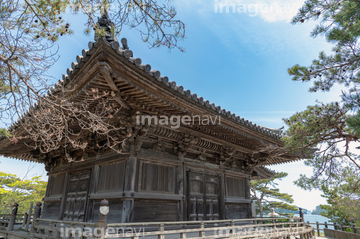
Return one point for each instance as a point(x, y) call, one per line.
point(285, 211)
point(318, 210)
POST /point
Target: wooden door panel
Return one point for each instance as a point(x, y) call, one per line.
point(77, 197)
point(203, 194)
point(200, 208)
point(192, 209)
point(212, 205)
point(212, 195)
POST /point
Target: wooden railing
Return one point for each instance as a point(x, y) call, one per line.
point(339, 227)
point(6, 218)
point(238, 228)
point(9, 221)
point(54, 229)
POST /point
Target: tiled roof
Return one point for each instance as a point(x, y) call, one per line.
point(125, 52)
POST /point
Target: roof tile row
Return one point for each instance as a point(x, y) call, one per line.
point(128, 54)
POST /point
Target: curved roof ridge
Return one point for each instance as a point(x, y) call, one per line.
point(128, 54)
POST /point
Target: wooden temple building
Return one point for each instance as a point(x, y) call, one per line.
point(163, 173)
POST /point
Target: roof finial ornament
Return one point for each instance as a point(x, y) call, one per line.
point(104, 27)
point(104, 11)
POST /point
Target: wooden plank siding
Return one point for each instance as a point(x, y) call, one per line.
point(145, 189)
point(237, 198)
point(157, 178)
point(53, 196)
point(111, 178)
point(235, 187)
point(155, 210)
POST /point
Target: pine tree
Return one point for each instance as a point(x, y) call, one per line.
point(342, 196)
point(267, 196)
point(325, 133)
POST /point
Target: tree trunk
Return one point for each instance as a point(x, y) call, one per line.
point(260, 208)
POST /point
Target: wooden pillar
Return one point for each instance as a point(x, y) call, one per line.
point(37, 212)
point(129, 189)
point(179, 189)
point(342, 227)
point(49, 186)
point(318, 228)
point(13, 217)
point(201, 231)
point(63, 198)
point(185, 189)
point(29, 217)
point(247, 187)
point(247, 193)
point(95, 179)
point(161, 230)
point(222, 197)
point(25, 217)
point(353, 228)
point(94, 183)
point(102, 220)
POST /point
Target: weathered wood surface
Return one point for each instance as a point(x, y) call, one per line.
point(111, 178)
point(130, 184)
point(154, 210)
point(195, 191)
point(241, 228)
point(246, 228)
point(77, 196)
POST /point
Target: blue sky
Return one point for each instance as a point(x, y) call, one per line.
point(236, 60)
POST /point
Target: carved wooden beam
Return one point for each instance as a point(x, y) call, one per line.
point(105, 71)
point(153, 96)
point(183, 144)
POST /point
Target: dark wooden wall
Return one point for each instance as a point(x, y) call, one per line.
point(237, 198)
point(109, 185)
point(147, 188)
point(53, 196)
